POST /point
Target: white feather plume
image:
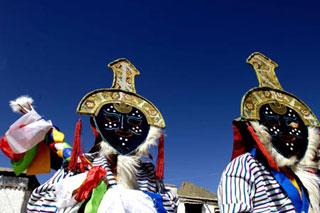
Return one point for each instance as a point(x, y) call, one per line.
point(308, 163)
point(106, 149)
point(311, 182)
point(22, 104)
point(312, 149)
point(151, 140)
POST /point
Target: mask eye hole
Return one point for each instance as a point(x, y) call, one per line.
point(134, 121)
point(113, 118)
point(272, 123)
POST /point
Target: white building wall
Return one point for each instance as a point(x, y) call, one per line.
point(181, 208)
point(11, 200)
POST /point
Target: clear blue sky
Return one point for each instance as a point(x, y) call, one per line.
point(191, 55)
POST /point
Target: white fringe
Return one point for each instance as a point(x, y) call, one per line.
point(127, 170)
point(106, 149)
point(22, 104)
point(151, 140)
point(311, 182)
point(265, 138)
point(301, 168)
point(312, 149)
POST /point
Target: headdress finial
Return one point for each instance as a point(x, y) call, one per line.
point(265, 70)
point(124, 74)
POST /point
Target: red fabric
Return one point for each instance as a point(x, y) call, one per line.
point(160, 160)
point(92, 180)
point(239, 146)
point(261, 147)
point(6, 149)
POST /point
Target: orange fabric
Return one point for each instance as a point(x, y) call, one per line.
point(41, 162)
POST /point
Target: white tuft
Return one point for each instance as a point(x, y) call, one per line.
point(310, 182)
point(126, 166)
point(106, 149)
point(23, 104)
point(265, 138)
point(312, 149)
point(151, 140)
point(127, 170)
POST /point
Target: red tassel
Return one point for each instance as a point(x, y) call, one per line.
point(92, 180)
point(160, 160)
point(76, 149)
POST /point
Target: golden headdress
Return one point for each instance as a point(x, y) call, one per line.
point(122, 92)
point(270, 91)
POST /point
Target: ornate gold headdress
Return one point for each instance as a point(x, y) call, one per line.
point(270, 91)
point(122, 93)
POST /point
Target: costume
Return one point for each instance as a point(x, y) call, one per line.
point(274, 160)
point(118, 174)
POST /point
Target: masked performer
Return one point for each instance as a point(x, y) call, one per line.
point(274, 160)
point(118, 174)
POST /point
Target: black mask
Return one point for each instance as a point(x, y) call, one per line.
point(289, 134)
point(122, 126)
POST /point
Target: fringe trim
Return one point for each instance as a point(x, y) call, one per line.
point(265, 138)
point(305, 168)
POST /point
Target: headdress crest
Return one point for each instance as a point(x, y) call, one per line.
point(270, 91)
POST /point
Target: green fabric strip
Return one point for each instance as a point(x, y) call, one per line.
point(96, 197)
point(21, 165)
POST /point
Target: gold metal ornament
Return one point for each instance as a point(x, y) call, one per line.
point(271, 92)
point(122, 107)
point(122, 94)
point(278, 108)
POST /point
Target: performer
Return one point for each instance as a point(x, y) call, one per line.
point(118, 174)
point(274, 159)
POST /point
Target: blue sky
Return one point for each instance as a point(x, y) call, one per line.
point(191, 55)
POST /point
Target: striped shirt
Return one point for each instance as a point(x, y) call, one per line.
point(43, 198)
point(247, 185)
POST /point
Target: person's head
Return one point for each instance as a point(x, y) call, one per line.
point(285, 126)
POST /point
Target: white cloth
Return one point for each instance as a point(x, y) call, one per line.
point(44, 198)
point(29, 130)
point(65, 188)
point(121, 200)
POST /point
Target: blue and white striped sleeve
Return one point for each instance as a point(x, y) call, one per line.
point(235, 191)
point(170, 201)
